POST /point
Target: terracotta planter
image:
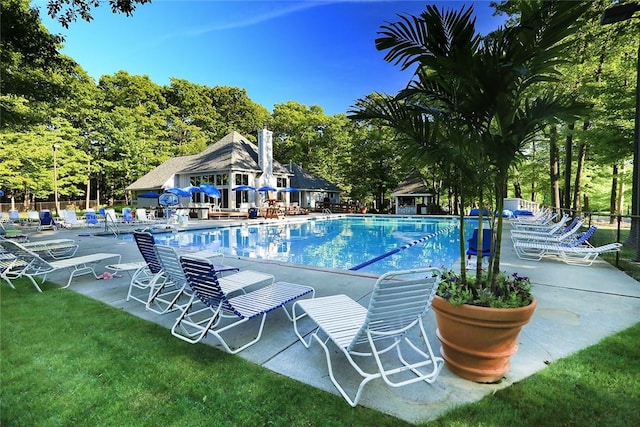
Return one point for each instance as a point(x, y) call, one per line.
point(478, 342)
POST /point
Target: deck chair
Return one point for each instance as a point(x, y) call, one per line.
point(14, 215)
point(144, 218)
point(13, 234)
point(158, 291)
point(71, 219)
point(379, 334)
point(33, 217)
point(127, 215)
point(583, 255)
point(225, 312)
point(110, 215)
point(543, 218)
point(91, 218)
point(543, 228)
point(35, 266)
point(8, 262)
point(53, 248)
point(563, 236)
point(47, 221)
point(169, 260)
point(486, 251)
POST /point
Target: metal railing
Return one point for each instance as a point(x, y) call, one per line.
point(110, 225)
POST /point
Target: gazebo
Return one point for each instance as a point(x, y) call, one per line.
point(413, 195)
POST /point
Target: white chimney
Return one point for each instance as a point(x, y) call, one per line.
point(265, 154)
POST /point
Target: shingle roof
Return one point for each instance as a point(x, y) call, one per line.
point(158, 177)
point(414, 184)
point(303, 180)
point(233, 152)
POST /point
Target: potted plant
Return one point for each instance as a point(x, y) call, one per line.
point(479, 323)
point(473, 106)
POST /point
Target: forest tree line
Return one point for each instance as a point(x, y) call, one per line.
point(109, 133)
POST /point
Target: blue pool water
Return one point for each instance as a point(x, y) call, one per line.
point(367, 244)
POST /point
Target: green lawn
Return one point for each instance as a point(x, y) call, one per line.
point(70, 360)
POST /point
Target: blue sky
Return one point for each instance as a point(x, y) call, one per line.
point(311, 52)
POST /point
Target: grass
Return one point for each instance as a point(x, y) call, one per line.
point(70, 360)
point(608, 233)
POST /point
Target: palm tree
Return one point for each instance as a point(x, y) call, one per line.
point(471, 102)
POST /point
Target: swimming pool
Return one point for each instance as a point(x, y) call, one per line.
point(368, 244)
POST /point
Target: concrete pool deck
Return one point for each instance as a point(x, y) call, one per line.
point(577, 307)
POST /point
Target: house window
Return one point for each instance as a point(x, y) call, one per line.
point(242, 179)
point(281, 182)
point(222, 179)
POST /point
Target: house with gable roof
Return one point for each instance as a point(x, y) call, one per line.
point(232, 162)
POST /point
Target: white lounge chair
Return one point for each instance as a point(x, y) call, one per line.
point(545, 216)
point(540, 227)
point(71, 219)
point(36, 266)
point(33, 217)
point(398, 304)
point(221, 313)
point(53, 248)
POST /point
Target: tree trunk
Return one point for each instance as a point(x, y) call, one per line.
point(568, 152)
point(620, 206)
point(88, 197)
point(500, 184)
point(613, 197)
point(582, 153)
point(554, 167)
point(534, 174)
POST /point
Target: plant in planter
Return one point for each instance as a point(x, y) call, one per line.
point(472, 108)
point(478, 324)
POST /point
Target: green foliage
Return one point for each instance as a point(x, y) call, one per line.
point(510, 291)
point(68, 11)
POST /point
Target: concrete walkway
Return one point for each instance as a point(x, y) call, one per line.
point(577, 307)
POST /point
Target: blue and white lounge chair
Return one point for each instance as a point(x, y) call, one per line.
point(224, 312)
point(486, 249)
point(91, 218)
point(570, 253)
point(564, 236)
point(399, 302)
point(127, 215)
point(47, 221)
point(14, 215)
point(160, 292)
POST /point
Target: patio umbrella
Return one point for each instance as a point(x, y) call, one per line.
point(178, 192)
point(192, 189)
point(149, 195)
point(289, 190)
point(210, 190)
point(267, 188)
point(244, 188)
point(1, 193)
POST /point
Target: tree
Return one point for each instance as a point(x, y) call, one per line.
point(67, 11)
point(472, 93)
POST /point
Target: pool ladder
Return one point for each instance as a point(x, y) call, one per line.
point(110, 225)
